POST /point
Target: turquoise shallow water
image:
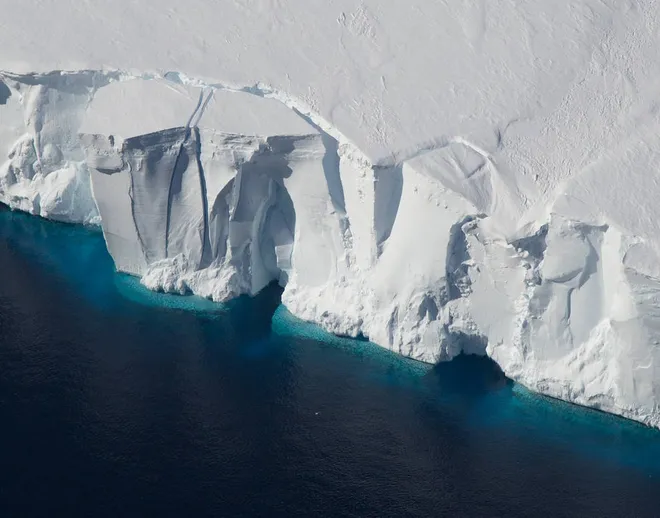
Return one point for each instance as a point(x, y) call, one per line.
point(118, 401)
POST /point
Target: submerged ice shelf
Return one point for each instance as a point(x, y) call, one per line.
point(496, 198)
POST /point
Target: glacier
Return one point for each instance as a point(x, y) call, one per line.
point(474, 178)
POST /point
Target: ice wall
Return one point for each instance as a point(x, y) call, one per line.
point(218, 191)
point(206, 207)
point(44, 172)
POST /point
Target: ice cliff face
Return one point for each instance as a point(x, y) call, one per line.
point(45, 172)
point(440, 177)
point(219, 192)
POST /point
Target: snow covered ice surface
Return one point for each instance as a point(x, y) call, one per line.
point(477, 176)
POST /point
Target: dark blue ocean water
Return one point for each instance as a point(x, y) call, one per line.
point(118, 402)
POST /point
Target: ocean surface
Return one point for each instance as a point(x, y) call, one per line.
point(115, 401)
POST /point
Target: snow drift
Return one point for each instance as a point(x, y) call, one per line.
point(494, 196)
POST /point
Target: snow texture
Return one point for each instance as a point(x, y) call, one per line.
point(472, 176)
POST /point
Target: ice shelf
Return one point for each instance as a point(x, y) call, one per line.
point(479, 177)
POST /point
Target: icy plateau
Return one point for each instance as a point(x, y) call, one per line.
point(476, 176)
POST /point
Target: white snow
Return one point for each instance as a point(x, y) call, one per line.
point(438, 176)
